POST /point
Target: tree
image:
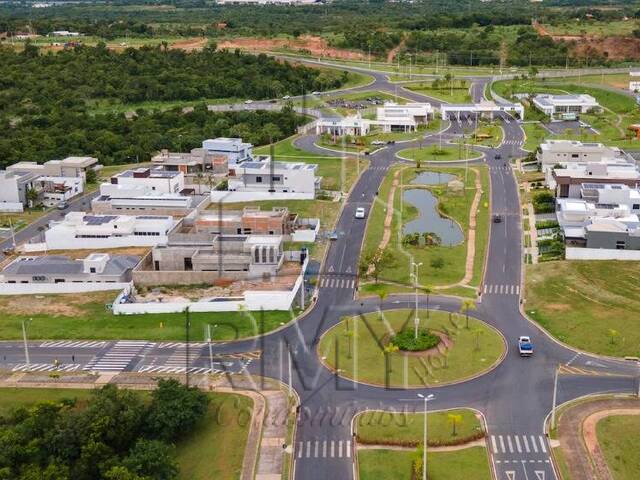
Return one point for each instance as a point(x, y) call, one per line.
point(92, 176)
point(351, 336)
point(478, 332)
point(32, 196)
point(454, 419)
point(467, 305)
point(382, 294)
point(175, 409)
point(613, 335)
point(153, 459)
point(388, 349)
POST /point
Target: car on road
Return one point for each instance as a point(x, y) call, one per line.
point(286, 97)
point(497, 219)
point(315, 93)
point(333, 235)
point(498, 156)
point(62, 206)
point(248, 102)
point(525, 347)
point(377, 142)
point(360, 212)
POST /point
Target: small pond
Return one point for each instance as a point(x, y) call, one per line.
point(429, 220)
point(432, 178)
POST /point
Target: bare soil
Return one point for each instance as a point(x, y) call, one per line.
point(69, 305)
point(315, 45)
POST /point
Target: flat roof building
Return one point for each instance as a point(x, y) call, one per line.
point(14, 186)
point(553, 152)
point(556, 105)
point(568, 181)
point(67, 167)
point(450, 111)
point(353, 125)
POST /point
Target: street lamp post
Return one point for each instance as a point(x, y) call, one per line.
point(209, 340)
point(24, 338)
point(416, 320)
point(426, 398)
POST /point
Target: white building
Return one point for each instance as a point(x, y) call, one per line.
point(64, 33)
point(562, 106)
point(79, 230)
point(233, 150)
point(13, 190)
point(567, 181)
point(486, 107)
point(403, 118)
point(553, 152)
point(68, 167)
point(354, 126)
point(145, 181)
point(59, 189)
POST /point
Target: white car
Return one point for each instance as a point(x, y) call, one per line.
point(360, 212)
point(377, 142)
point(248, 102)
point(286, 97)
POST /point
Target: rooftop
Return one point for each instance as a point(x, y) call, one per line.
point(60, 264)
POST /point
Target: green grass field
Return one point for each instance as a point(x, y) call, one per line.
point(454, 204)
point(75, 316)
point(337, 173)
point(214, 449)
point(386, 427)
point(381, 464)
point(593, 28)
point(355, 346)
point(457, 93)
point(591, 305)
point(535, 135)
point(434, 153)
point(618, 436)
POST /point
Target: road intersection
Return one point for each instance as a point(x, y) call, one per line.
point(515, 397)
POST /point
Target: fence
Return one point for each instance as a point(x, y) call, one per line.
point(574, 253)
point(55, 288)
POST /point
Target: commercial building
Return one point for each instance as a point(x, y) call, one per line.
point(565, 106)
point(403, 118)
point(568, 181)
point(14, 188)
point(354, 126)
point(79, 230)
point(488, 108)
point(553, 152)
point(95, 268)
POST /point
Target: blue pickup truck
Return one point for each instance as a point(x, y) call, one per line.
point(525, 347)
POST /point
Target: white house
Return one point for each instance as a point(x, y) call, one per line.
point(145, 181)
point(568, 180)
point(354, 126)
point(404, 118)
point(634, 83)
point(67, 167)
point(233, 150)
point(558, 106)
point(59, 189)
point(553, 152)
point(13, 190)
point(64, 33)
point(79, 230)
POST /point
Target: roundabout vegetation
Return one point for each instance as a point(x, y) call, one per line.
point(367, 348)
point(434, 153)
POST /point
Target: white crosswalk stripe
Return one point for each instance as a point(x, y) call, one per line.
point(117, 357)
point(523, 444)
point(163, 369)
point(180, 344)
point(45, 367)
point(72, 344)
point(501, 289)
point(324, 449)
point(328, 281)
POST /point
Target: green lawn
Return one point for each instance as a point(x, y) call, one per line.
point(336, 172)
point(75, 316)
point(434, 153)
point(458, 94)
point(618, 436)
point(452, 203)
point(581, 302)
point(592, 27)
point(355, 346)
point(535, 135)
point(403, 428)
point(365, 142)
point(214, 449)
point(381, 464)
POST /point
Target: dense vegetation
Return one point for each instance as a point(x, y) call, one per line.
point(116, 435)
point(47, 101)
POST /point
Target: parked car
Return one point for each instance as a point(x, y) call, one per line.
point(333, 235)
point(377, 142)
point(286, 97)
point(360, 212)
point(525, 347)
point(315, 93)
point(248, 102)
point(62, 205)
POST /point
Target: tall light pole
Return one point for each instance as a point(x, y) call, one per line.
point(209, 340)
point(24, 338)
point(416, 320)
point(426, 398)
point(555, 393)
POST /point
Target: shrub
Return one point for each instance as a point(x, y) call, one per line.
point(405, 340)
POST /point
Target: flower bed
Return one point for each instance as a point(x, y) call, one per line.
point(405, 340)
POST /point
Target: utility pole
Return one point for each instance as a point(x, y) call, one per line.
point(416, 320)
point(13, 233)
point(209, 339)
point(187, 325)
point(24, 338)
point(289, 371)
point(555, 393)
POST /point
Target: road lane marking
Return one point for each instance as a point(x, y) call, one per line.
point(340, 449)
point(300, 449)
point(333, 449)
point(348, 449)
point(501, 443)
point(324, 449)
point(526, 444)
point(542, 445)
point(510, 444)
point(518, 447)
point(533, 444)
point(494, 444)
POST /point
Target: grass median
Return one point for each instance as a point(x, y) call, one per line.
point(434, 153)
point(619, 436)
point(591, 305)
point(86, 317)
point(357, 347)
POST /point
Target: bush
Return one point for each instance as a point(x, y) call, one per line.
point(405, 340)
point(437, 262)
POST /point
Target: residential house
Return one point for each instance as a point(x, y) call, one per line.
point(67, 167)
point(553, 152)
point(568, 181)
point(55, 190)
point(14, 190)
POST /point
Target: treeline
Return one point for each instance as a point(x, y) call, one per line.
point(116, 435)
point(114, 138)
point(67, 78)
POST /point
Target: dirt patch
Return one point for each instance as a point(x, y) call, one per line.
point(314, 45)
point(613, 48)
point(189, 44)
point(67, 305)
point(558, 307)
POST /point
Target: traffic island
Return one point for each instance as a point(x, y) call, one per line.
point(366, 348)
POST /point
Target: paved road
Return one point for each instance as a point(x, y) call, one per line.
point(515, 397)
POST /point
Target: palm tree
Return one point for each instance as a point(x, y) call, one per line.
point(389, 348)
point(465, 307)
point(351, 336)
point(455, 419)
point(613, 334)
point(478, 332)
point(382, 293)
point(428, 291)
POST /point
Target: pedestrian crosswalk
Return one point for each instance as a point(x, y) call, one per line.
point(378, 168)
point(72, 344)
point(328, 281)
point(502, 444)
point(501, 168)
point(501, 290)
point(179, 357)
point(180, 344)
point(118, 357)
point(512, 142)
point(45, 367)
point(166, 369)
point(324, 449)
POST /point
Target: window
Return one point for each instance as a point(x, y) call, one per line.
point(38, 278)
point(156, 265)
point(636, 206)
point(188, 264)
point(276, 178)
point(575, 155)
point(258, 179)
point(621, 245)
point(92, 269)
